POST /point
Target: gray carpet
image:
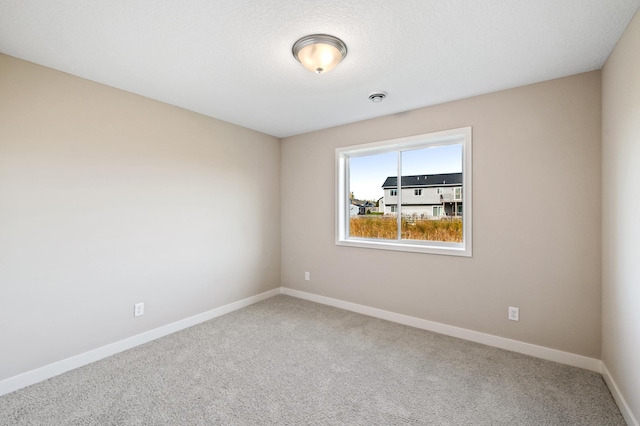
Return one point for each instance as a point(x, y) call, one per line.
point(287, 361)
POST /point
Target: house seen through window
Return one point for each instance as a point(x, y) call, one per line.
point(407, 194)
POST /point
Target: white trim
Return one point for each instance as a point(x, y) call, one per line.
point(20, 381)
point(461, 136)
point(461, 333)
point(617, 396)
point(46, 372)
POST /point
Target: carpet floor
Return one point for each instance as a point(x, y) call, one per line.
point(286, 361)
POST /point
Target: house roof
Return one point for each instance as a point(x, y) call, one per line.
point(362, 203)
point(445, 179)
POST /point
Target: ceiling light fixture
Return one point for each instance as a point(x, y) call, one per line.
point(319, 52)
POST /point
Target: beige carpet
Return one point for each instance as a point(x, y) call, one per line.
point(286, 361)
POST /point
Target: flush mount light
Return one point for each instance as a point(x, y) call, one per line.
point(319, 52)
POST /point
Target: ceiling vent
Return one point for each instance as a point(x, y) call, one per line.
point(377, 97)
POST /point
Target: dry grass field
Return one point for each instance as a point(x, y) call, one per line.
point(446, 229)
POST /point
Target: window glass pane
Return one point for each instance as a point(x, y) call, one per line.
point(431, 189)
point(372, 207)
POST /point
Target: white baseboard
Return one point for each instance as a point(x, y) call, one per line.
point(617, 396)
point(462, 333)
point(43, 373)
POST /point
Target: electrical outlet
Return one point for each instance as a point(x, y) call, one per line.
point(307, 276)
point(514, 314)
point(138, 309)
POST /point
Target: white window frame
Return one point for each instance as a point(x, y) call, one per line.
point(457, 193)
point(393, 193)
point(417, 192)
point(448, 137)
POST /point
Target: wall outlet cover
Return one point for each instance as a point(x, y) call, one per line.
point(138, 309)
point(514, 314)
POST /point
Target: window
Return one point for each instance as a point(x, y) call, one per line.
point(440, 163)
point(458, 194)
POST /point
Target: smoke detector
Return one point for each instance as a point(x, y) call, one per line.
point(377, 97)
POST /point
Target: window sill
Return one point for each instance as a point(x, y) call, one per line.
point(449, 249)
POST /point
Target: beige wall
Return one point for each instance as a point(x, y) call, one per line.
point(536, 223)
point(620, 205)
point(107, 199)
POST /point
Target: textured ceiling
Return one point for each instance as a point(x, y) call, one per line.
point(231, 59)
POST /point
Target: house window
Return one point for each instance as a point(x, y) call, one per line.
point(458, 194)
point(439, 160)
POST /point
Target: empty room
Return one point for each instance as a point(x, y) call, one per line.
point(332, 212)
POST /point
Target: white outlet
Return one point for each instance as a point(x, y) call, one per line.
point(138, 309)
point(307, 276)
point(514, 314)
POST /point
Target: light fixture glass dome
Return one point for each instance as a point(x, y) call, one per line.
point(319, 52)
